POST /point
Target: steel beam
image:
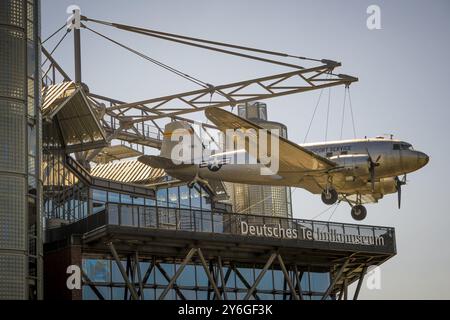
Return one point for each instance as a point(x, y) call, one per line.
point(138, 268)
point(147, 274)
point(298, 278)
point(122, 271)
point(210, 278)
point(177, 273)
point(345, 285)
point(360, 281)
point(91, 285)
point(336, 279)
point(166, 276)
point(222, 278)
point(260, 276)
point(286, 276)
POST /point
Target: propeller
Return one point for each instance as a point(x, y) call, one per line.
point(372, 166)
point(398, 185)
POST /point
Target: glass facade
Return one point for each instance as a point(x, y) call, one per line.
point(20, 151)
point(193, 282)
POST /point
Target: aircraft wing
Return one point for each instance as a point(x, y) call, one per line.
point(292, 157)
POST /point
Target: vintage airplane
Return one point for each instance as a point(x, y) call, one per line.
point(355, 171)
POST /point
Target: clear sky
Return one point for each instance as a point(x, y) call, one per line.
point(403, 90)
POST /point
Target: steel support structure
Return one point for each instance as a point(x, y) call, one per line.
point(129, 285)
point(337, 277)
point(360, 281)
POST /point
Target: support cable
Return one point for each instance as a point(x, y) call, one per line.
point(328, 113)
point(343, 114)
point(314, 114)
point(322, 212)
point(191, 42)
point(351, 112)
point(56, 47)
point(54, 33)
point(158, 63)
point(217, 43)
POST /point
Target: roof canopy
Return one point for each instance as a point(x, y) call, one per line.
point(67, 105)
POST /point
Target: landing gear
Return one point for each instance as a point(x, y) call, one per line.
point(359, 212)
point(329, 196)
point(191, 184)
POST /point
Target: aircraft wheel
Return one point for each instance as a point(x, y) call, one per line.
point(359, 212)
point(329, 197)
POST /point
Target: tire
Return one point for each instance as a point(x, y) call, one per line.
point(329, 197)
point(359, 212)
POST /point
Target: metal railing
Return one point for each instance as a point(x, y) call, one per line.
point(217, 222)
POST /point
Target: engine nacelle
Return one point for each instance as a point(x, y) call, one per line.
point(352, 164)
point(384, 186)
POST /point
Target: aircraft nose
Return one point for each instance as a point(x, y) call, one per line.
point(422, 159)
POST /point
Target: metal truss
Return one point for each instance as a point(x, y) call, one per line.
point(232, 94)
point(217, 278)
point(136, 122)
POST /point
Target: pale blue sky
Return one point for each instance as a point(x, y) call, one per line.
point(403, 89)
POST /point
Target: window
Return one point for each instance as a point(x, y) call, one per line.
point(97, 270)
point(187, 277)
point(173, 197)
point(396, 146)
point(329, 154)
point(195, 198)
point(126, 215)
point(98, 200)
point(161, 196)
point(319, 281)
point(113, 197)
point(184, 197)
point(406, 146)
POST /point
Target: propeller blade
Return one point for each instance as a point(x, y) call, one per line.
point(398, 185)
point(372, 165)
point(372, 177)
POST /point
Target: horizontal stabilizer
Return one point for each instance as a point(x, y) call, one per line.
point(161, 162)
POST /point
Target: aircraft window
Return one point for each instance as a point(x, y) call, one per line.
point(396, 147)
point(406, 146)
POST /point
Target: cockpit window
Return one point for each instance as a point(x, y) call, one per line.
point(402, 146)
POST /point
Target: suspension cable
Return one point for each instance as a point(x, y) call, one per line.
point(351, 112)
point(328, 113)
point(191, 40)
point(343, 114)
point(223, 44)
point(49, 37)
point(158, 63)
point(314, 114)
point(322, 212)
point(54, 49)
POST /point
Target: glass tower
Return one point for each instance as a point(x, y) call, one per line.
point(20, 151)
point(255, 199)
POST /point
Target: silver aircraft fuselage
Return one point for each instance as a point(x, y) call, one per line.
point(351, 175)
